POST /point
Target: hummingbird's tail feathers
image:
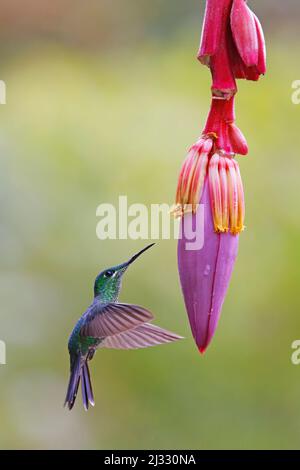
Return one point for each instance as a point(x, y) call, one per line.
point(113, 318)
point(85, 399)
point(86, 386)
point(73, 382)
point(143, 336)
point(79, 370)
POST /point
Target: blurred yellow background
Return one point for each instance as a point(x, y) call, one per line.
point(103, 99)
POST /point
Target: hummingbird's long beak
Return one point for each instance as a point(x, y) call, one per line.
point(134, 257)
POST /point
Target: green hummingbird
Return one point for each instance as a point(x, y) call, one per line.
point(108, 323)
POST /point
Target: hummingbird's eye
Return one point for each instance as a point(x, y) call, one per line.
point(108, 273)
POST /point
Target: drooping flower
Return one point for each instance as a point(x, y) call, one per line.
point(232, 45)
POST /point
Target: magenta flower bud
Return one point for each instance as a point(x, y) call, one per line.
point(205, 274)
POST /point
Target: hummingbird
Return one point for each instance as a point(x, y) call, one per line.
point(108, 323)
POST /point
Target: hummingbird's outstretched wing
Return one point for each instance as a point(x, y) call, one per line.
point(112, 318)
point(142, 336)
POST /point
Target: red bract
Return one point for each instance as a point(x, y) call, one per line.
point(232, 45)
point(244, 32)
point(220, 123)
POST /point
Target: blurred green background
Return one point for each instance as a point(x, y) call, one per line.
point(103, 99)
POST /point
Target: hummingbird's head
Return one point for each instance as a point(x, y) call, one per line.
point(108, 283)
